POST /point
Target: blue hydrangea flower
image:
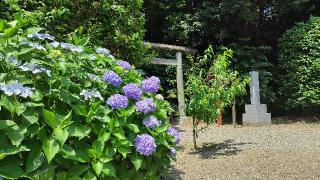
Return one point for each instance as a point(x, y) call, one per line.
point(13, 61)
point(151, 122)
point(145, 144)
point(71, 47)
point(112, 78)
point(103, 51)
point(35, 68)
point(34, 45)
point(41, 36)
point(173, 152)
point(16, 88)
point(151, 84)
point(132, 91)
point(55, 44)
point(93, 77)
point(174, 133)
point(118, 101)
point(146, 106)
point(124, 65)
point(89, 94)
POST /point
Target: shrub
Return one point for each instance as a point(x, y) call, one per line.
point(211, 87)
point(65, 114)
point(118, 25)
point(299, 60)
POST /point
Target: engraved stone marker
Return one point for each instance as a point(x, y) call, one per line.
point(256, 113)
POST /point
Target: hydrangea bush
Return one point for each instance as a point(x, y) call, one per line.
point(71, 112)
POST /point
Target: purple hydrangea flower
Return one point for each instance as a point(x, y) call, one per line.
point(151, 122)
point(71, 47)
point(118, 101)
point(132, 91)
point(112, 78)
point(41, 36)
point(89, 94)
point(174, 133)
point(103, 51)
point(124, 65)
point(146, 106)
point(35, 68)
point(151, 84)
point(145, 144)
point(173, 152)
point(16, 88)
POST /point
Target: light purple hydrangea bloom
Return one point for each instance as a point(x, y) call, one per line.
point(71, 47)
point(173, 152)
point(41, 36)
point(151, 84)
point(124, 65)
point(151, 122)
point(103, 51)
point(35, 68)
point(16, 88)
point(118, 101)
point(89, 94)
point(112, 78)
point(132, 91)
point(145, 144)
point(146, 106)
point(174, 133)
point(93, 77)
point(34, 45)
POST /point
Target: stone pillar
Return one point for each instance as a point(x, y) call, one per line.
point(180, 89)
point(256, 113)
point(254, 88)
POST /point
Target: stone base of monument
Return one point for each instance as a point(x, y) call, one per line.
point(256, 114)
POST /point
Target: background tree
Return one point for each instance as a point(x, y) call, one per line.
point(251, 28)
point(299, 63)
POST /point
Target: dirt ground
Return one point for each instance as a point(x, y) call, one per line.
point(290, 151)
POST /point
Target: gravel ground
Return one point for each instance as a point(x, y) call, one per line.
point(289, 151)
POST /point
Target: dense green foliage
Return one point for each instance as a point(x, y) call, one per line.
point(299, 60)
point(211, 87)
point(55, 132)
point(250, 28)
point(117, 25)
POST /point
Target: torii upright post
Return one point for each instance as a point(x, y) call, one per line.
point(180, 89)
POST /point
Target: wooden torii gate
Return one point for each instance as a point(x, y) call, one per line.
point(175, 62)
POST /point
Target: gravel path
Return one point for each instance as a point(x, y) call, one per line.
point(248, 152)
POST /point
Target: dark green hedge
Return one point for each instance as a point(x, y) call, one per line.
point(299, 60)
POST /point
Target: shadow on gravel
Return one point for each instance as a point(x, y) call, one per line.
point(173, 174)
point(211, 150)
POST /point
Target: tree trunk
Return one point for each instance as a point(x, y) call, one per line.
point(234, 113)
point(194, 134)
point(220, 114)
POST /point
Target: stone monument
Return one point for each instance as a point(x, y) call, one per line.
point(256, 113)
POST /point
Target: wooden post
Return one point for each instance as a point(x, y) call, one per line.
point(181, 102)
point(234, 113)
